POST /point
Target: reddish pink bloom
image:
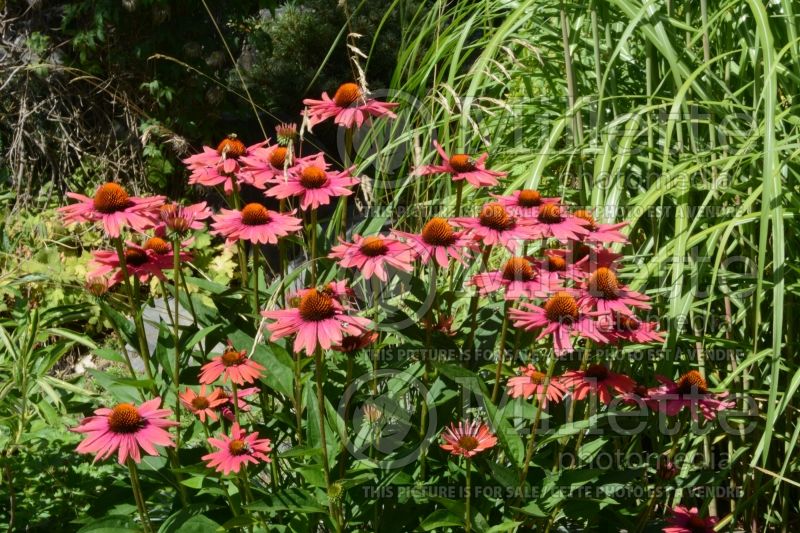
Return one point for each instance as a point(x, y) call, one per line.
point(237, 450)
point(495, 226)
point(561, 317)
point(685, 520)
point(180, 218)
point(348, 107)
point(202, 404)
point(227, 397)
point(319, 319)
point(519, 278)
point(601, 232)
point(586, 259)
point(254, 223)
point(127, 429)
point(533, 382)
point(524, 203)
point(353, 343)
point(599, 380)
point(639, 396)
point(313, 183)
point(231, 365)
point(144, 262)
point(268, 165)
point(603, 291)
point(555, 265)
point(691, 390)
point(468, 439)
point(438, 241)
point(113, 207)
point(371, 255)
point(623, 328)
point(552, 221)
point(463, 167)
point(220, 166)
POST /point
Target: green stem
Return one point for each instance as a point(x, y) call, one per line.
point(467, 514)
point(256, 253)
point(324, 439)
point(501, 353)
point(532, 439)
point(313, 239)
point(235, 401)
point(139, 497)
point(459, 193)
point(176, 275)
point(298, 397)
point(133, 300)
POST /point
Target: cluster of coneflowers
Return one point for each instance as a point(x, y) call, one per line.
point(570, 288)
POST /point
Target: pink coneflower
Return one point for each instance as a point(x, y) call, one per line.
point(552, 221)
point(691, 390)
point(561, 317)
point(685, 520)
point(555, 265)
point(438, 241)
point(587, 259)
point(603, 291)
point(524, 203)
point(113, 207)
point(232, 365)
point(442, 323)
point(126, 428)
point(140, 262)
point(623, 328)
point(640, 397)
point(237, 450)
point(202, 404)
point(468, 438)
point(348, 107)
point(254, 223)
point(518, 277)
point(182, 218)
point(313, 183)
point(371, 255)
point(599, 380)
point(220, 166)
point(353, 343)
point(601, 232)
point(533, 382)
point(226, 408)
point(267, 165)
point(495, 226)
point(318, 320)
point(463, 167)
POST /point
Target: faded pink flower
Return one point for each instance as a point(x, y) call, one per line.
point(463, 167)
point(126, 429)
point(237, 450)
point(520, 279)
point(439, 242)
point(599, 380)
point(221, 166)
point(371, 255)
point(202, 404)
point(524, 203)
point(532, 382)
point(113, 207)
point(319, 319)
point(561, 317)
point(601, 232)
point(232, 365)
point(349, 107)
point(255, 223)
point(313, 183)
point(603, 291)
point(691, 390)
point(495, 226)
point(468, 439)
point(552, 221)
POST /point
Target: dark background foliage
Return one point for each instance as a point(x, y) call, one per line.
point(105, 89)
